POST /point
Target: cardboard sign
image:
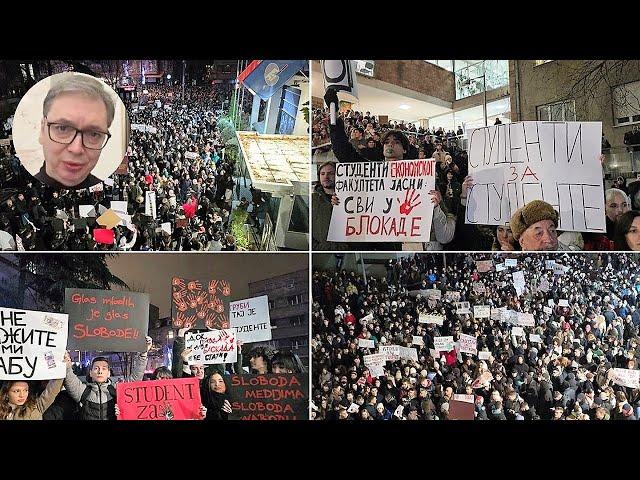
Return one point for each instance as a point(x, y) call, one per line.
point(429, 318)
point(417, 340)
point(107, 320)
point(32, 344)
point(200, 304)
point(270, 397)
point(481, 311)
point(484, 266)
point(213, 347)
point(443, 344)
point(250, 319)
point(383, 201)
point(171, 399)
point(484, 355)
point(459, 410)
point(391, 352)
point(150, 204)
point(463, 308)
point(535, 338)
point(109, 219)
point(461, 397)
point(468, 344)
point(363, 343)
point(341, 76)
point(510, 262)
point(526, 320)
point(558, 162)
point(626, 377)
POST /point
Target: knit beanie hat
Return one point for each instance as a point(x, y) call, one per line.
point(531, 213)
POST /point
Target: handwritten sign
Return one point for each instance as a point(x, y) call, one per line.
point(535, 338)
point(391, 352)
point(408, 353)
point(383, 202)
point(626, 377)
point(563, 302)
point(484, 355)
point(547, 310)
point(479, 288)
point(172, 399)
point(213, 347)
point(500, 267)
point(558, 162)
point(481, 311)
point(32, 344)
point(484, 266)
point(511, 262)
point(468, 344)
point(429, 318)
point(363, 343)
point(269, 397)
point(463, 308)
point(452, 296)
point(375, 363)
point(443, 344)
point(526, 320)
point(549, 264)
point(417, 340)
point(250, 319)
point(107, 320)
point(433, 293)
point(150, 204)
point(200, 304)
point(517, 332)
point(461, 397)
point(518, 282)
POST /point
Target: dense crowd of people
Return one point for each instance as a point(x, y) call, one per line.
point(175, 150)
point(586, 326)
point(358, 137)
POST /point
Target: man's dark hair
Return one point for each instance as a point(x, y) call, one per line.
point(99, 359)
point(398, 135)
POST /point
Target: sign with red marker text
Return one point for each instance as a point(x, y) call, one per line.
point(383, 201)
point(250, 319)
point(214, 347)
point(32, 344)
point(557, 162)
point(269, 397)
point(172, 399)
point(107, 320)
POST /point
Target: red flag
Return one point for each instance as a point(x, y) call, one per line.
point(104, 235)
point(190, 208)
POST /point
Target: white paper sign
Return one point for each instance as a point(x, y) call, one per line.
point(500, 267)
point(510, 262)
point(468, 344)
point(150, 203)
point(429, 318)
point(119, 206)
point(463, 307)
point(481, 311)
point(518, 282)
point(526, 320)
point(549, 264)
point(484, 355)
point(364, 343)
point(391, 352)
point(547, 310)
point(626, 377)
point(87, 211)
point(517, 332)
point(375, 364)
point(558, 162)
point(433, 293)
point(461, 397)
point(366, 318)
point(383, 201)
point(212, 347)
point(32, 344)
point(551, 303)
point(408, 353)
point(434, 353)
point(563, 302)
point(535, 338)
point(417, 340)
point(250, 319)
point(443, 344)
point(98, 187)
point(191, 155)
point(109, 182)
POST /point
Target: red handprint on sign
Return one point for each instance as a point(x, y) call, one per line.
point(408, 205)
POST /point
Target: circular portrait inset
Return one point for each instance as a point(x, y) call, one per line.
point(70, 131)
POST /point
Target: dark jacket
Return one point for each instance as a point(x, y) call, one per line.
point(90, 181)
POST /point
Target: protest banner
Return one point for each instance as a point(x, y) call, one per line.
point(535, 338)
point(283, 396)
point(626, 377)
point(32, 344)
point(463, 308)
point(500, 267)
point(461, 397)
point(443, 344)
point(417, 340)
point(150, 204)
point(517, 332)
point(408, 353)
point(547, 310)
point(481, 311)
point(430, 318)
point(383, 201)
point(484, 266)
point(200, 304)
point(526, 320)
point(510, 262)
point(451, 296)
point(558, 162)
point(375, 363)
point(468, 344)
point(170, 399)
point(107, 320)
point(518, 282)
point(484, 355)
point(459, 410)
point(250, 319)
point(544, 285)
point(563, 302)
point(364, 343)
point(212, 347)
point(191, 155)
point(391, 352)
point(479, 288)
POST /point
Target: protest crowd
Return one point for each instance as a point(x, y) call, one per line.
point(361, 137)
point(479, 336)
point(176, 151)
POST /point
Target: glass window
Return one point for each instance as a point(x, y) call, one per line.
point(299, 215)
point(558, 112)
point(365, 67)
point(446, 64)
point(288, 110)
point(472, 75)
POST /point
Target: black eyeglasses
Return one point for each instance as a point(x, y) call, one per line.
point(66, 134)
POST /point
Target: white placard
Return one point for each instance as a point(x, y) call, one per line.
point(434, 353)
point(383, 201)
point(549, 264)
point(500, 267)
point(364, 343)
point(119, 206)
point(366, 318)
point(166, 227)
point(98, 187)
point(481, 311)
point(468, 344)
point(463, 308)
point(417, 340)
point(626, 377)
point(510, 262)
point(518, 282)
point(430, 318)
point(375, 364)
point(391, 352)
point(535, 338)
point(558, 162)
point(461, 397)
point(443, 344)
point(150, 203)
point(408, 353)
point(551, 303)
point(547, 310)
point(433, 293)
point(250, 319)
point(191, 155)
point(526, 320)
point(32, 344)
point(87, 211)
point(212, 347)
point(517, 332)
point(484, 355)
point(109, 182)
point(563, 302)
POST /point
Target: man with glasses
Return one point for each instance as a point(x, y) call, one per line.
point(77, 114)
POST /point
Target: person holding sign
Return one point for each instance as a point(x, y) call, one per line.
point(322, 207)
point(18, 401)
point(97, 398)
point(396, 146)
